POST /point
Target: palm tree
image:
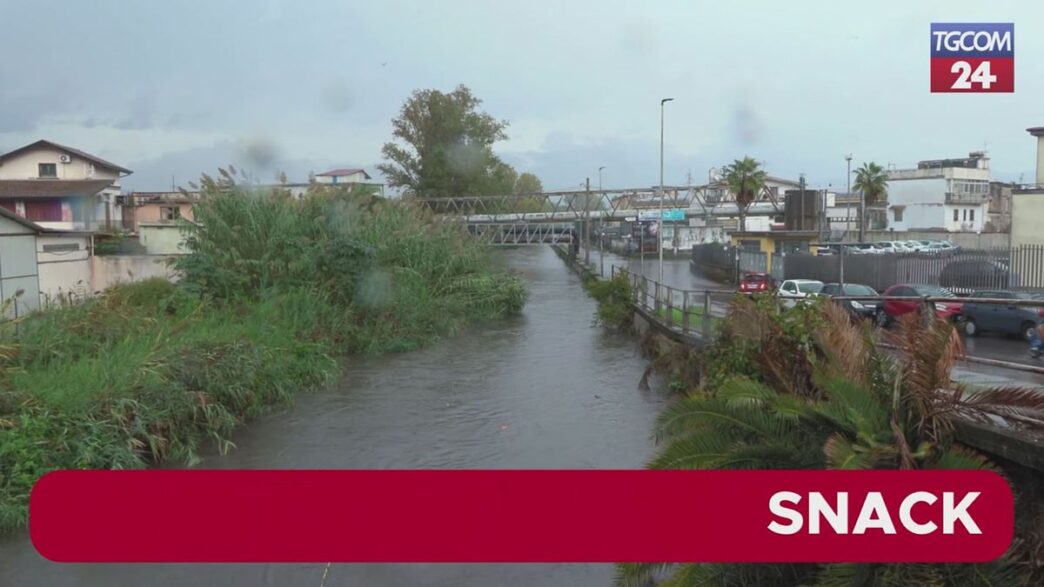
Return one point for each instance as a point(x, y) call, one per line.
point(815, 391)
point(872, 181)
point(745, 179)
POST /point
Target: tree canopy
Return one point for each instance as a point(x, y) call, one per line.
point(872, 180)
point(444, 148)
point(745, 178)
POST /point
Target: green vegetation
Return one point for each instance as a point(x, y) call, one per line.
point(273, 290)
point(807, 388)
point(872, 181)
point(745, 178)
point(445, 150)
point(614, 300)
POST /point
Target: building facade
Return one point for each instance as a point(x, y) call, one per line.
point(60, 187)
point(951, 195)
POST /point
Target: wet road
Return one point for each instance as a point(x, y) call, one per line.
point(678, 273)
point(546, 390)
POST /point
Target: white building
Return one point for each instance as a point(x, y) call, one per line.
point(945, 194)
point(38, 265)
point(347, 176)
point(60, 187)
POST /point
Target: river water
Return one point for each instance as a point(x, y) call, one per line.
point(544, 390)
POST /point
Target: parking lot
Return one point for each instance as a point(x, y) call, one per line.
point(679, 273)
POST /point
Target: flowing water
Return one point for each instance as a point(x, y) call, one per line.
point(545, 390)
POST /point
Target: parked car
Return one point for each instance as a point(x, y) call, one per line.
point(890, 247)
point(1006, 319)
point(793, 291)
point(967, 275)
point(756, 282)
point(914, 246)
point(892, 309)
point(940, 247)
point(861, 308)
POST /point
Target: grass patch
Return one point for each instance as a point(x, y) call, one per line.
point(272, 290)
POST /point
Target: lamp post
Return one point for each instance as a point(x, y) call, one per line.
point(659, 221)
point(848, 193)
point(601, 228)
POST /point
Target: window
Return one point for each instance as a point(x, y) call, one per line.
point(62, 248)
point(810, 288)
point(789, 287)
point(48, 170)
point(971, 214)
point(897, 214)
point(965, 214)
point(170, 213)
point(955, 217)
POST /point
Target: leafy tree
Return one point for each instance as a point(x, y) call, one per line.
point(528, 183)
point(872, 181)
point(745, 179)
point(444, 147)
point(816, 392)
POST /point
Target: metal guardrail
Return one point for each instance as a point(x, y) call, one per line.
point(691, 310)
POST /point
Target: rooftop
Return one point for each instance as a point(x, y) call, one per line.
point(342, 172)
point(45, 143)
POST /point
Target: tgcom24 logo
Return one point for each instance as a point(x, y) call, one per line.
point(973, 57)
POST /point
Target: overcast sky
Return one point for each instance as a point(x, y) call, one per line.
point(171, 89)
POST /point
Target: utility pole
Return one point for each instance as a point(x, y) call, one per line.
point(848, 195)
point(601, 228)
point(801, 201)
point(587, 224)
point(659, 221)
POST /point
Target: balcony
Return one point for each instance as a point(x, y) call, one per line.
point(967, 198)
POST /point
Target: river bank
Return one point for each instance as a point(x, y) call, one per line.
point(151, 372)
point(544, 389)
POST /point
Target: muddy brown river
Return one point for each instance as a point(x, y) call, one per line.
point(544, 390)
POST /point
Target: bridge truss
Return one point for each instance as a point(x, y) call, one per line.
point(612, 204)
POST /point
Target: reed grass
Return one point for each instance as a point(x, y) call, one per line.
point(272, 291)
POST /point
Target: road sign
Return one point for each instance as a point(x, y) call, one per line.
point(676, 215)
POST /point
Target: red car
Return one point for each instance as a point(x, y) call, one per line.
point(756, 282)
point(892, 309)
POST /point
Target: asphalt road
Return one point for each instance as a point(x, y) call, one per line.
point(678, 273)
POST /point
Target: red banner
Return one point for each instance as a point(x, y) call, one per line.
point(521, 516)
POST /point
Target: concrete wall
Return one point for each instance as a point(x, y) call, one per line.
point(161, 239)
point(65, 265)
point(1027, 213)
point(151, 213)
point(967, 240)
point(108, 270)
point(19, 279)
point(25, 166)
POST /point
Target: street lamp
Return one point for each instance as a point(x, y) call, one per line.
point(659, 221)
point(601, 228)
point(848, 194)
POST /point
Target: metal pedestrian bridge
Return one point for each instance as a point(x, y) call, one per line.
point(551, 217)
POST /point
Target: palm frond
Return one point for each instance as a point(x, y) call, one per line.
point(639, 574)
